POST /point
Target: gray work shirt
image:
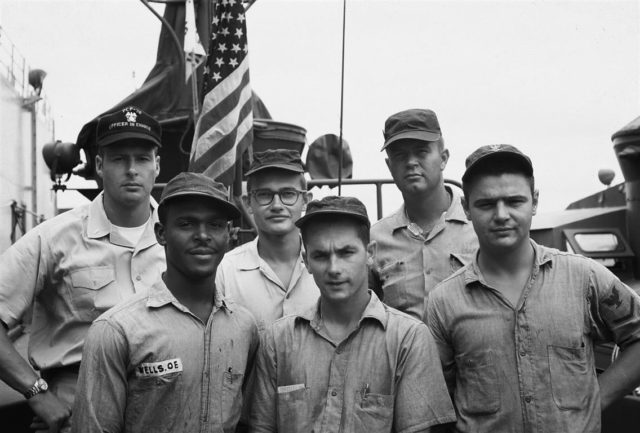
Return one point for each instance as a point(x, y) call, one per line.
point(409, 264)
point(530, 368)
point(384, 377)
point(150, 365)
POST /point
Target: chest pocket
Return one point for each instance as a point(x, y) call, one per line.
point(373, 413)
point(403, 284)
point(570, 379)
point(93, 291)
point(293, 411)
point(478, 390)
point(231, 397)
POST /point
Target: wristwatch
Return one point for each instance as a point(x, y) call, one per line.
point(37, 388)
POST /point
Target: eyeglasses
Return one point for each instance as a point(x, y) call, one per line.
point(288, 197)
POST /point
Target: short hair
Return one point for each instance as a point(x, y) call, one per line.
point(497, 167)
point(251, 179)
point(362, 229)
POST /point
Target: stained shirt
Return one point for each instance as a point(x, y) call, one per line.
point(384, 377)
point(530, 368)
point(408, 264)
point(71, 269)
point(249, 280)
point(150, 365)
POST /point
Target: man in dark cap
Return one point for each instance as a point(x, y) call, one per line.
point(267, 275)
point(516, 327)
point(349, 363)
point(174, 359)
point(428, 238)
point(70, 269)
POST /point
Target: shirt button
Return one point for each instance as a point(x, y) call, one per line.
point(527, 399)
point(138, 278)
point(334, 393)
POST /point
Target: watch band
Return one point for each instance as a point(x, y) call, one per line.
point(39, 386)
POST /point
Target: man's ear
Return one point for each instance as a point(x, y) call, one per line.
point(246, 201)
point(444, 155)
point(158, 228)
point(99, 166)
point(372, 250)
point(157, 165)
point(465, 207)
point(534, 201)
point(304, 258)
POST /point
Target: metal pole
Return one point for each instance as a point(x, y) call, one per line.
point(344, 20)
point(34, 164)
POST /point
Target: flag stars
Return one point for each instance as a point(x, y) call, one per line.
point(207, 70)
point(215, 21)
point(239, 33)
point(219, 61)
point(236, 48)
point(216, 76)
point(233, 62)
point(241, 17)
point(222, 47)
point(246, 48)
point(224, 31)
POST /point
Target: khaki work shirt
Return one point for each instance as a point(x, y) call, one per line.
point(150, 365)
point(531, 368)
point(71, 269)
point(249, 280)
point(408, 265)
point(384, 377)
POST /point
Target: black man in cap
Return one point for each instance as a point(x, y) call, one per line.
point(174, 359)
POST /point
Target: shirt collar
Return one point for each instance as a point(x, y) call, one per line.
point(252, 259)
point(473, 275)
point(375, 310)
point(159, 295)
point(98, 225)
point(455, 212)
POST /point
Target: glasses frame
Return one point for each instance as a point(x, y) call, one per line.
point(298, 192)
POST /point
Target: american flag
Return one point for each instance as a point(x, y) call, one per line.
point(224, 127)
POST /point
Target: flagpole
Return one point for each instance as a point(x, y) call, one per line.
point(340, 156)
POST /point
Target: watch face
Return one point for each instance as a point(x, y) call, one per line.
point(43, 385)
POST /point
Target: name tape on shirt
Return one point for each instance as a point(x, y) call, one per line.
point(290, 388)
point(148, 369)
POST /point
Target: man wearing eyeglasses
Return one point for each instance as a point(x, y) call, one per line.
point(267, 276)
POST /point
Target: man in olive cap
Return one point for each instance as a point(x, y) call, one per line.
point(516, 327)
point(267, 275)
point(428, 237)
point(174, 359)
point(70, 269)
point(349, 363)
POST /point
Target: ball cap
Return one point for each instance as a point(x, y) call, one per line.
point(415, 124)
point(494, 152)
point(334, 205)
point(128, 123)
point(199, 186)
point(284, 159)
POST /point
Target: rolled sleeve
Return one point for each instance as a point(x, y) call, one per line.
point(615, 307)
point(21, 270)
point(422, 399)
point(263, 412)
point(101, 394)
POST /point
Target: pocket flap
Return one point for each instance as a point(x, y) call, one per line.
point(92, 278)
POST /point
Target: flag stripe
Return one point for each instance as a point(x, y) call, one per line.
point(227, 143)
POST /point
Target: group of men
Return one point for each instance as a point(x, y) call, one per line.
point(443, 316)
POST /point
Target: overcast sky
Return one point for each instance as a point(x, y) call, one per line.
point(553, 78)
